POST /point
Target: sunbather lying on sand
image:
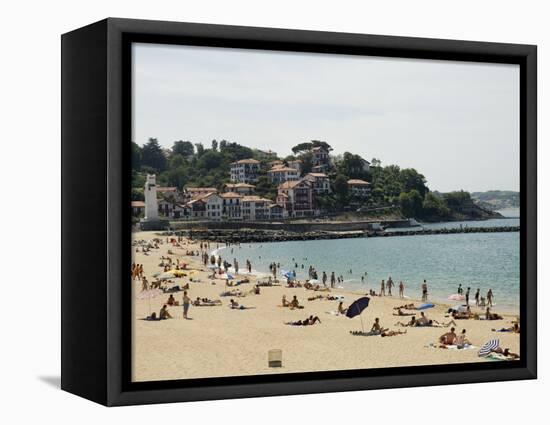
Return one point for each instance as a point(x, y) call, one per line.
point(234, 305)
point(316, 297)
point(401, 313)
point(311, 320)
point(410, 306)
point(205, 302)
point(492, 316)
point(513, 329)
point(506, 352)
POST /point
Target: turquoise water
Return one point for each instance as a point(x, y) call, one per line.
point(478, 260)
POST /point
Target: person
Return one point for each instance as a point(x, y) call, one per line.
point(424, 291)
point(393, 333)
point(459, 290)
point(186, 303)
point(476, 296)
point(492, 316)
point(295, 303)
point(332, 280)
point(376, 328)
point(284, 302)
point(164, 314)
point(468, 296)
point(410, 323)
point(490, 297)
point(389, 285)
point(325, 277)
point(171, 300)
point(401, 313)
point(144, 284)
point(514, 328)
point(401, 289)
point(461, 341)
point(448, 338)
point(505, 352)
point(382, 288)
point(313, 319)
point(341, 308)
point(423, 321)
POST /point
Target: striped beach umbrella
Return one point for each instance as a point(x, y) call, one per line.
point(488, 347)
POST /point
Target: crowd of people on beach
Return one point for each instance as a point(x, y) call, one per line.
point(316, 282)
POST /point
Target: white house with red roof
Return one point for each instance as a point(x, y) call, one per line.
point(245, 171)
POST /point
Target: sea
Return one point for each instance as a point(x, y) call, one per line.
point(476, 260)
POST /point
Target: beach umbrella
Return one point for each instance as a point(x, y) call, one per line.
point(148, 295)
point(357, 307)
point(488, 347)
point(424, 306)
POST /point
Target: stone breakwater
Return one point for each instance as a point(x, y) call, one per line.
point(245, 235)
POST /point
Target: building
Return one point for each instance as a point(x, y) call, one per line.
point(168, 192)
point(283, 174)
point(319, 182)
point(231, 206)
point(276, 212)
point(296, 164)
point(138, 208)
point(213, 206)
point(255, 208)
point(359, 188)
point(297, 198)
point(245, 171)
point(240, 188)
point(197, 208)
point(276, 163)
point(320, 156)
point(197, 192)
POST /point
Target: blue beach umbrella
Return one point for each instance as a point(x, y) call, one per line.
point(357, 307)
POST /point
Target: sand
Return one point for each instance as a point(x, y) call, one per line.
point(219, 341)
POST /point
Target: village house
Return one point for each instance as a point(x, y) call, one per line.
point(296, 164)
point(231, 206)
point(197, 208)
point(321, 159)
point(191, 193)
point(213, 206)
point(283, 174)
point(297, 197)
point(275, 164)
point(319, 182)
point(359, 188)
point(255, 208)
point(240, 188)
point(245, 171)
point(138, 208)
point(276, 212)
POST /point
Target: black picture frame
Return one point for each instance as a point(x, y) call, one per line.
point(96, 120)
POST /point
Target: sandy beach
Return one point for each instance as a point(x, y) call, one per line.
point(220, 341)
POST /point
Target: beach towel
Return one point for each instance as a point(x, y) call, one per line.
point(360, 333)
point(333, 312)
point(451, 347)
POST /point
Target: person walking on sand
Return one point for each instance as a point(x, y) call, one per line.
point(332, 280)
point(490, 297)
point(382, 288)
point(186, 303)
point(401, 289)
point(476, 296)
point(325, 277)
point(389, 285)
point(424, 291)
point(468, 296)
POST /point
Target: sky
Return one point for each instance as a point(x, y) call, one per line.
point(455, 122)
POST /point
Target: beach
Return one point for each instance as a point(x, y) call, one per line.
point(219, 341)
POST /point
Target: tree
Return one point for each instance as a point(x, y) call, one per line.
point(340, 188)
point(412, 180)
point(137, 194)
point(136, 156)
point(411, 203)
point(265, 188)
point(302, 147)
point(457, 200)
point(353, 166)
point(210, 160)
point(434, 207)
point(200, 149)
point(214, 145)
point(153, 156)
point(182, 148)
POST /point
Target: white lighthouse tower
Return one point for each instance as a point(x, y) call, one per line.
point(151, 205)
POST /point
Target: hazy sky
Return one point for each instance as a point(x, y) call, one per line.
point(455, 122)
